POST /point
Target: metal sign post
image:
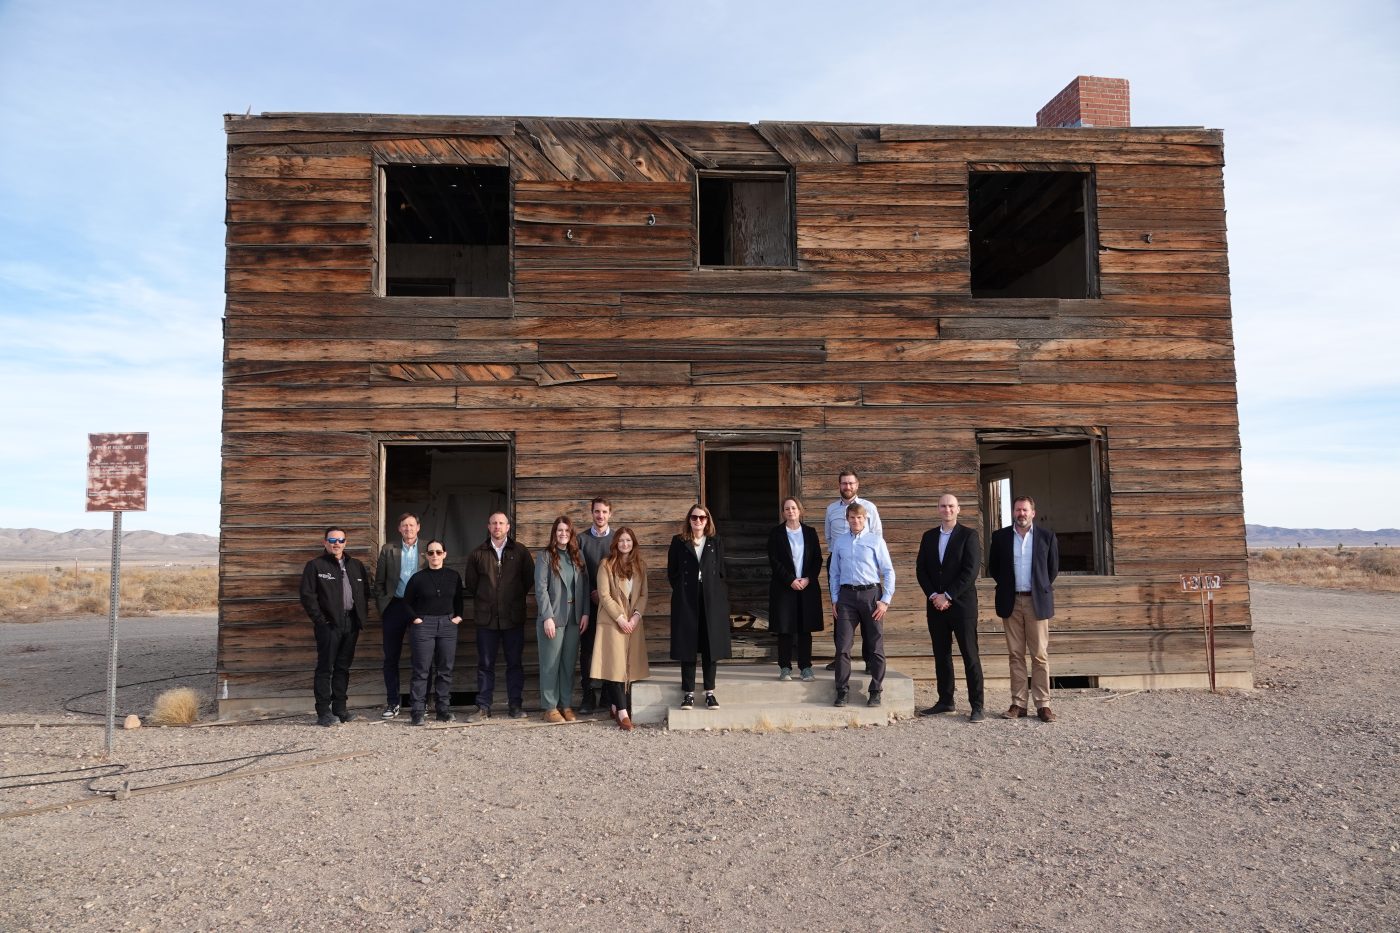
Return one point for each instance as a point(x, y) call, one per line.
point(1206, 584)
point(116, 483)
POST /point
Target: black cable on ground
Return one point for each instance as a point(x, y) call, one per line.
point(123, 770)
point(138, 683)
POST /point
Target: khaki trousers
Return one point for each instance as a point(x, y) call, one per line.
point(1025, 634)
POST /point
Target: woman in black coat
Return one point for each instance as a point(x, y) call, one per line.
point(699, 602)
point(794, 592)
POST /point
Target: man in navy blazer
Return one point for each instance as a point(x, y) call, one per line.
point(947, 565)
point(1024, 561)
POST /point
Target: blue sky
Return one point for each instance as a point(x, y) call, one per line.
point(112, 162)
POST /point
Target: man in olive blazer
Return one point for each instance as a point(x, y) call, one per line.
point(947, 565)
point(398, 562)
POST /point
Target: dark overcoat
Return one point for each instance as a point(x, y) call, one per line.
point(498, 588)
point(791, 611)
point(689, 579)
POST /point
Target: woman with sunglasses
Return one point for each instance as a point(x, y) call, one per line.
point(620, 651)
point(699, 603)
point(434, 596)
point(561, 592)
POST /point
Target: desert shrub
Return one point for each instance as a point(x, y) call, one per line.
point(1382, 562)
point(28, 595)
point(177, 707)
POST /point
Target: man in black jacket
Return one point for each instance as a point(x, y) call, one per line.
point(949, 558)
point(498, 575)
point(333, 594)
point(1024, 560)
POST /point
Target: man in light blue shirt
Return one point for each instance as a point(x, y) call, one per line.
point(849, 485)
point(861, 577)
point(398, 561)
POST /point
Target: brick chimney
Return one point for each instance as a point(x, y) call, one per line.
point(1088, 101)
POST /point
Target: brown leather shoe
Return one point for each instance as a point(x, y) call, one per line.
point(553, 716)
point(1046, 714)
point(1015, 712)
point(624, 722)
point(568, 715)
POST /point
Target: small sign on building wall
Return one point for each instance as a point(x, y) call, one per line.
point(1195, 582)
point(116, 473)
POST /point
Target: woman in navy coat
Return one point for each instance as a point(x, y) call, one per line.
point(699, 602)
point(794, 594)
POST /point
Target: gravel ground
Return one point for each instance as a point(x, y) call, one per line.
point(1270, 810)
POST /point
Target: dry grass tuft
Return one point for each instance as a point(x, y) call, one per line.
point(763, 724)
point(28, 596)
point(1373, 569)
point(177, 707)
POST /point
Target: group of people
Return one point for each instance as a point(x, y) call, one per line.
point(590, 590)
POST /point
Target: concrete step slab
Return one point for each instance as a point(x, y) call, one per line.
point(751, 697)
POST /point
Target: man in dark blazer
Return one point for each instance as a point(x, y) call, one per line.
point(949, 558)
point(498, 575)
point(333, 586)
point(398, 562)
point(1024, 560)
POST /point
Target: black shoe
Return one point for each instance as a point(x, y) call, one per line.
point(831, 666)
point(478, 713)
point(345, 717)
point(937, 708)
point(874, 698)
point(590, 702)
point(417, 719)
point(688, 701)
point(976, 715)
point(390, 711)
point(445, 716)
point(325, 719)
point(517, 713)
point(711, 701)
point(841, 697)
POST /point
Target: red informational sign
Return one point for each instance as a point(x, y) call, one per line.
point(116, 473)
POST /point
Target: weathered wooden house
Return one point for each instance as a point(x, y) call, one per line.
point(457, 314)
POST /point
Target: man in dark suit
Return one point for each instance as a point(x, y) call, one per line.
point(1024, 560)
point(949, 558)
point(398, 562)
point(498, 576)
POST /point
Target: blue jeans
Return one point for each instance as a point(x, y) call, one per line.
point(488, 641)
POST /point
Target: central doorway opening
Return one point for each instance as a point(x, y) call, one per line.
point(743, 484)
point(453, 489)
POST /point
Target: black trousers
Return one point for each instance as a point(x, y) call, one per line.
point(706, 656)
point(585, 649)
point(396, 618)
point(942, 630)
point(614, 694)
point(335, 651)
point(434, 641)
point(803, 642)
point(856, 608)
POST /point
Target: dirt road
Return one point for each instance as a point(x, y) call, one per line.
point(1269, 810)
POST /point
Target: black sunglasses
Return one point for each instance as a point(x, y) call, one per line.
point(335, 540)
point(432, 550)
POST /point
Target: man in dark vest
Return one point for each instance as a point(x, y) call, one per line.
point(949, 558)
point(1024, 560)
point(333, 594)
point(498, 575)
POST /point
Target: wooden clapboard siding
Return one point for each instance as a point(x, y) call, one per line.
point(615, 352)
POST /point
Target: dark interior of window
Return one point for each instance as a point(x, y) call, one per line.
point(745, 220)
point(447, 231)
point(1031, 235)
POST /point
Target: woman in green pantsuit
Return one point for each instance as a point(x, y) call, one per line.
point(561, 592)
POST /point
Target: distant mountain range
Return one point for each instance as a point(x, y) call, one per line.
point(1271, 536)
point(88, 545)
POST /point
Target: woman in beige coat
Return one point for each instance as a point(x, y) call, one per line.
point(620, 652)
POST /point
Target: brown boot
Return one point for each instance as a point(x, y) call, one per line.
point(1046, 714)
point(1015, 712)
